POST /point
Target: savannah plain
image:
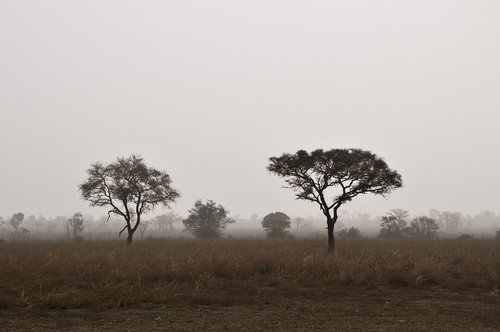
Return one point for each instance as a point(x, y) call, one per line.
point(250, 284)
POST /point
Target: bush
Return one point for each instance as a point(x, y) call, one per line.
point(352, 233)
point(207, 220)
point(276, 225)
point(422, 228)
point(393, 224)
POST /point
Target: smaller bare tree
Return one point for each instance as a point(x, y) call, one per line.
point(452, 221)
point(394, 224)
point(165, 223)
point(129, 188)
point(75, 225)
point(143, 227)
point(298, 222)
point(423, 228)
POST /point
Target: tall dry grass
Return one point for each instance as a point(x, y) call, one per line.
point(109, 273)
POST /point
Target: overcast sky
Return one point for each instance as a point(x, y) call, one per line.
point(209, 90)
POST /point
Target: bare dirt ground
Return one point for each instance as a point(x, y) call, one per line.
point(354, 309)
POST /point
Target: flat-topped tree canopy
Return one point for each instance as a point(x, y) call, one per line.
point(334, 177)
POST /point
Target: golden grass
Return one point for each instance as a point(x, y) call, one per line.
point(109, 273)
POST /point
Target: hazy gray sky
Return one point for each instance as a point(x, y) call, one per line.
point(209, 90)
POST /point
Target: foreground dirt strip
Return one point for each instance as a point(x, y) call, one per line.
point(348, 310)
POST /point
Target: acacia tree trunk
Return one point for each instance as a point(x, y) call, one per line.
point(331, 238)
point(331, 225)
point(131, 230)
point(130, 236)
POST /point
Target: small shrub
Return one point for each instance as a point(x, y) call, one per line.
point(352, 233)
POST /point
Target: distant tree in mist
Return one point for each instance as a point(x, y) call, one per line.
point(75, 226)
point(276, 224)
point(2, 224)
point(393, 224)
point(423, 228)
point(129, 188)
point(254, 218)
point(16, 220)
point(452, 221)
point(334, 177)
point(165, 223)
point(143, 227)
point(353, 233)
point(298, 223)
point(207, 220)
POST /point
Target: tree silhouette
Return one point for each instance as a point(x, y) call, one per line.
point(422, 228)
point(352, 233)
point(16, 220)
point(393, 224)
point(165, 223)
point(276, 224)
point(207, 220)
point(299, 223)
point(129, 188)
point(143, 227)
point(341, 174)
point(75, 224)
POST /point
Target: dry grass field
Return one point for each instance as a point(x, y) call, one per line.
point(250, 284)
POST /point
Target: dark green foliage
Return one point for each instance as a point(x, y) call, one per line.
point(422, 228)
point(393, 224)
point(352, 233)
point(333, 177)
point(129, 188)
point(207, 220)
point(276, 225)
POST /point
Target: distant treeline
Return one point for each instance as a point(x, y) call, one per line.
point(449, 224)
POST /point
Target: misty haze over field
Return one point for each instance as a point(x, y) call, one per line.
point(209, 90)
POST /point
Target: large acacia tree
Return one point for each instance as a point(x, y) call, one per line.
point(129, 188)
point(334, 177)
